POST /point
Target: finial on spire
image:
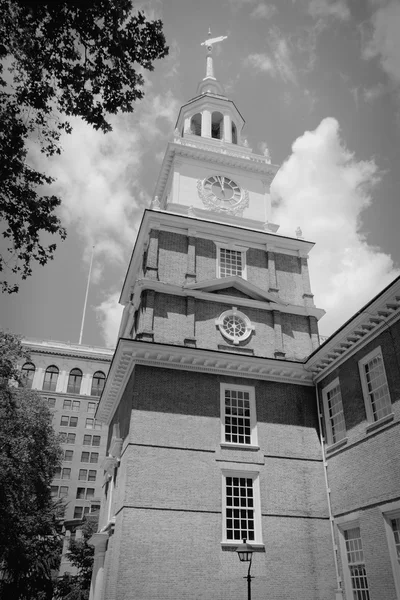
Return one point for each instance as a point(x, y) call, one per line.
point(208, 43)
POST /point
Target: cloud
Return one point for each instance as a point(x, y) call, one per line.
point(329, 8)
point(278, 62)
point(323, 189)
point(109, 314)
point(373, 93)
point(384, 42)
point(260, 62)
point(264, 11)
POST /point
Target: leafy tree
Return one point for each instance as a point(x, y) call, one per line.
point(80, 554)
point(60, 59)
point(30, 543)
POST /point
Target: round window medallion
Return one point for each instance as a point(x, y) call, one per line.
point(234, 325)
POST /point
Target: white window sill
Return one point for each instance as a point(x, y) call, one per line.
point(233, 544)
point(239, 446)
point(332, 447)
point(381, 423)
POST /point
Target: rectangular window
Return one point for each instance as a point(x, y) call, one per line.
point(333, 412)
point(374, 385)
point(94, 507)
point(391, 515)
point(92, 476)
point(98, 424)
point(62, 437)
point(68, 455)
point(356, 564)
point(92, 407)
point(87, 440)
point(241, 510)
point(238, 415)
point(82, 475)
point(395, 524)
point(64, 491)
point(85, 457)
point(89, 493)
point(78, 512)
point(57, 473)
point(94, 457)
point(80, 493)
point(71, 438)
point(67, 404)
point(66, 473)
point(73, 421)
point(89, 423)
point(231, 262)
point(96, 440)
point(64, 421)
point(51, 402)
point(54, 491)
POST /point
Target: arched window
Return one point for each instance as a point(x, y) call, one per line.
point(28, 372)
point(195, 124)
point(234, 134)
point(74, 381)
point(216, 125)
point(50, 379)
point(98, 382)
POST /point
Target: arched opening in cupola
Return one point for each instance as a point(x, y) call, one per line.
point(195, 124)
point(234, 133)
point(217, 121)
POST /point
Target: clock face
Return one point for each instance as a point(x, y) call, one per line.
point(225, 192)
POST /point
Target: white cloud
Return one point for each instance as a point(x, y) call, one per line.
point(260, 62)
point(323, 189)
point(373, 93)
point(264, 11)
point(384, 42)
point(109, 314)
point(278, 62)
point(329, 8)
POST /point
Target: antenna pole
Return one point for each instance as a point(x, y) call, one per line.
point(86, 297)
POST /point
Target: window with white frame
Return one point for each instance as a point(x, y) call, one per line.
point(241, 507)
point(374, 385)
point(234, 325)
point(333, 412)
point(356, 581)
point(391, 515)
point(231, 260)
point(238, 415)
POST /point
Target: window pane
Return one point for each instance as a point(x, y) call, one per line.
point(63, 491)
point(67, 404)
point(74, 381)
point(51, 402)
point(66, 473)
point(28, 372)
point(96, 440)
point(71, 438)
point(80, 493)
point(335, 414)
point(97, 424)
point(57, 473)
point(94, 457)
point(76, 405)
point(87, 440)
point(230, 262)
point(92, 407)
point(355, 559)
point(396, 532)
point(73, 421)
point(54, 491)
point(89, 423)
point(98, 383)
point(50, 379)
point(64, 421)
point(378, 390)
point(85, 457)
point(89, 493)
point(68, 454)
point(92, 476)
point(239, 509)
point(237, 417)
point(78, 512)
point(82, 474)
point(62, 437)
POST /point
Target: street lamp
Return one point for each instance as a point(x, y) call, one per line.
point(245, 553)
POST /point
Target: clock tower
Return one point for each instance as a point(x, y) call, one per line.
point(211, 412)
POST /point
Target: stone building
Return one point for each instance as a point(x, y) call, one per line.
point(219, 395)
point(71, 377)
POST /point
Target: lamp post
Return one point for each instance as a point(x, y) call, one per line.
point(245, 554)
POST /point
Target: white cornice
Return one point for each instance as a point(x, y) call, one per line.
point(68, 349)
point(176, 290)
point(381, 312)
point(205, 229)
point(130, 353)
point(214, 153)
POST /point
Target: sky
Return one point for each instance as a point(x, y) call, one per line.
point(318, 83)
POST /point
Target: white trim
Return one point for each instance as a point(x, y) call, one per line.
point(253, 416)
point(328, 424)
point(346, 523)
point(236, 339)
point(235, 248)
point(255, 476)
point(392, 511)
point(367, 400)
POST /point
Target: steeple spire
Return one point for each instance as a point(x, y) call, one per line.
point(208, 43)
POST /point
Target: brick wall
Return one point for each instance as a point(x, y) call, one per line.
point(168, 528)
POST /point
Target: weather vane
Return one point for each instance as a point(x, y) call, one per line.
point(209, 42)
